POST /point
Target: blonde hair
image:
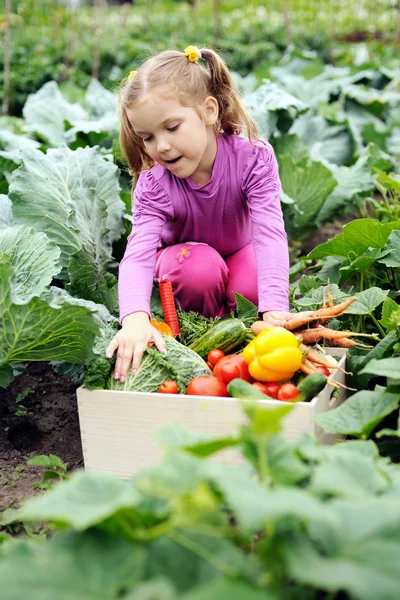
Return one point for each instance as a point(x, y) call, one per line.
point(191, 82)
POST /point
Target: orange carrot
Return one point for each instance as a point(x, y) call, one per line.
point(322, 314)
point(312, 335)
point(168, 305)
point(347, 343)
point(316, 357)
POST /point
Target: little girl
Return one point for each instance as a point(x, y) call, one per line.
point(207, 213)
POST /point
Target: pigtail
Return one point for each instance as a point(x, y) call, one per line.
point(233, 117)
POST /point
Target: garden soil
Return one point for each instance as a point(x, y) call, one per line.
point(50, 426)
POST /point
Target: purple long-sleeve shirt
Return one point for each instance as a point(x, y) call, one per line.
point(239, 204)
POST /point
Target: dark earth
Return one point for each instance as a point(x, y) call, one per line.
point(44, 421)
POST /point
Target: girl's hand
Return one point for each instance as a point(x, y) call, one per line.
point(277, 318)
point(131, 342)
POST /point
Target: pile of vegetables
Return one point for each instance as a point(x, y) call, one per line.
point(230, 358)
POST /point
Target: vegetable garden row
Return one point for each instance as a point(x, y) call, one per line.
point(316, 521)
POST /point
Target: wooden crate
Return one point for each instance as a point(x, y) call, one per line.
point(118, 429)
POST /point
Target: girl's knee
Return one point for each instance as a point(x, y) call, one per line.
point(204, 268)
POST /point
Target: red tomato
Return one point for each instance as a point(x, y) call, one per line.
point(226, 373)
point(324, 370)
point(210, 366)
point(214, 356)
point(288, 391)
point(168, 387)
point(272, 389)
point(259, 386)
point(206, 385)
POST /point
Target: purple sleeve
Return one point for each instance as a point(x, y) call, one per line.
point(262, 187)
point(152, 208)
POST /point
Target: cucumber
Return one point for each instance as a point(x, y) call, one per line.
point(242, 390)
point(311, 386)
point(225, 336)
point(308, 388)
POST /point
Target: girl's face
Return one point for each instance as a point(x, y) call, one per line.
point(176, 136)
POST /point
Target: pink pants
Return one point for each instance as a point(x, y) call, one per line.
point(203, 281)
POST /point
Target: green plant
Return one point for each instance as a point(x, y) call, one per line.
point(295, 521)
point(55, 470)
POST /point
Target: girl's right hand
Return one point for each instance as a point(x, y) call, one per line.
point(131, 342)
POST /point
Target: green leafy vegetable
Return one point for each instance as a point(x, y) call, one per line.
point(179, 364)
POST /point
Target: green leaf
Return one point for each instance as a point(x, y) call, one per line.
point(5, 212)
point(308, 183)
point(50, 123)
point(360, 414)
point(315, 298)
point(365, 570)
point(84, 500)
point(291, 144)
point(88, 566)
point(222, 589)
point(246, 310)
point(176, 436)
point(155, 589)
point(357, 236)
point(255, 506)
point(284, 462)
point(74, 198)
point(348, 475)
point(367, 301)
point(39, 331)
point(393, 244)
point(364, 447)
point(6, 375)
point(190, 559)
point(268, 100)
point(389, 308)
point(386, 367)
point(331, 143)
point(34, 258)
point(353, 180)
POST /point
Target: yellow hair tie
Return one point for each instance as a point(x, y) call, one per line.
point(131, 75)
point(192, 53)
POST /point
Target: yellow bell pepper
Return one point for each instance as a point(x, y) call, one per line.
point(274, 355)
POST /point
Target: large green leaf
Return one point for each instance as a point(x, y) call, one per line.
point(74, 198)
point(360, 414)
point(39, 331)
point(34, 258)
point(330, 82)
point(393, 245)
point(84, 500)
point(266, 101)
point(353, 180)
point(348, 475)
point(331, 143)
point(71, 566)
point(190, 559)
point(255, 506)
point(308, 183)
point(102, 118)
point(51, 123)
point(222, 589)
point(365, 568)
point(386, 367)
point(5, 212)
point(357, 236)
point(367, 301)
